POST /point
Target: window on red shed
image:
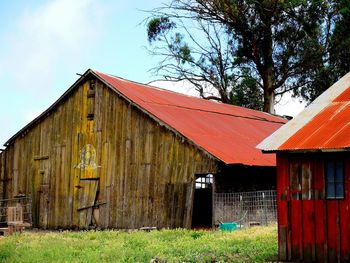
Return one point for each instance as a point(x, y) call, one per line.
point(334, 179)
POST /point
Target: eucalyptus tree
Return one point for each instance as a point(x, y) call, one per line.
point(249, 51)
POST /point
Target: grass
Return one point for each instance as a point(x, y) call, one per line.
point(258, 244)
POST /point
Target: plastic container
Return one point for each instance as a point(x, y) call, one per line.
point(231, 226)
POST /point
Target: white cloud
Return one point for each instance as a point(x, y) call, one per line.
point(42, 48)
point(289, 105)
point(56, 34)
point(184, 87)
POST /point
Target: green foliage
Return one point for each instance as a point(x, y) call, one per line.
point(157, 26)
point(247, 93)
point(196, 234)
point(181, 49)
point(250, 245)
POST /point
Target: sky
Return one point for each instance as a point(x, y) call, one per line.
point(43, 44)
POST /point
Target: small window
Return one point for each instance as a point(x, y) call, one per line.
point(91, 100)
point(92, 86)
point(335, 179)
point(203, 182)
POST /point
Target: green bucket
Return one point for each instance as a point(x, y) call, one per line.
point(228, 226)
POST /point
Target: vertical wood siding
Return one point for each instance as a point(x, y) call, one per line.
point(98, 159)
point(2, 174)
point(311, 228)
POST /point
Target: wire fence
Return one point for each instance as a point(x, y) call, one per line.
point(24, 202)
point(246, 208)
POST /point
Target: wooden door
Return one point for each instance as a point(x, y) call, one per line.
point(87, 197)
point(44, 188)
point(43, 206)
point(88, 186)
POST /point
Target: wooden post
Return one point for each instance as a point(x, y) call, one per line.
point(213, 201)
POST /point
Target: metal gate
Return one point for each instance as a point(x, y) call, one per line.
point(247, 208)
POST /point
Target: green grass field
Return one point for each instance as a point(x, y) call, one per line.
point(258, 244)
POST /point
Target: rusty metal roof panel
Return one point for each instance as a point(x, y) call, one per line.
point(323, 130)
point(323, 125)
point(148, 94)
point(229, 133)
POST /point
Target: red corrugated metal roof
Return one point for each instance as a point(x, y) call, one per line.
point(229, 133)
point(324, 125)
point(327, 130)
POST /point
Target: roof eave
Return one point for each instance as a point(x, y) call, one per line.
point(313, 150)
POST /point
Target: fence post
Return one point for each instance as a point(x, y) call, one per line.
point(264, 206)
point(240, 211)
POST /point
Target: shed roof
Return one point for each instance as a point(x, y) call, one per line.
point(324, 125)
point(230, 133)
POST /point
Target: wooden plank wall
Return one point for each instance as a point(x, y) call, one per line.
point(145, 171)
point(310, 227)
point(2, 174)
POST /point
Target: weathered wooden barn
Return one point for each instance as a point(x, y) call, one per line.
point(313, 179)
point(113, 153)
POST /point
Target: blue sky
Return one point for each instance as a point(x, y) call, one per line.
point(45, 43)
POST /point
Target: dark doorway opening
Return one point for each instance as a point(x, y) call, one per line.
point(202, 214)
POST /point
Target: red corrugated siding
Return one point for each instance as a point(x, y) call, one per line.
point(316, 230)
point(228, 132)
point(282, 206)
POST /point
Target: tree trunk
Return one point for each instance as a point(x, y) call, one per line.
point(269, 101)
point(269, 94)
point(267, 68)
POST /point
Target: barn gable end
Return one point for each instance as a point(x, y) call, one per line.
point(96, 157)
point(113, 153)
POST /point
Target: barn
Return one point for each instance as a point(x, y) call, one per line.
point(112, 153)
point(313, 179)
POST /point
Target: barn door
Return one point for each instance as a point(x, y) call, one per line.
point(202, 214)
point(43, 205)
point(88, 190)
point(88, 187)
point(43, 193)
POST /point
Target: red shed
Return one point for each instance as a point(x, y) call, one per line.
point(313, 179)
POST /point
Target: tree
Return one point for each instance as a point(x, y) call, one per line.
point(250, 47)
point(334, 52)
point(205, 60)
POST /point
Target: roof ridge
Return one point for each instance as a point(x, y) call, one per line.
point(153, 87)
point(201, 99)
point(216, 112)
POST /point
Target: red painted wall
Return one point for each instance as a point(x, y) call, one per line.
point(315, 229)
